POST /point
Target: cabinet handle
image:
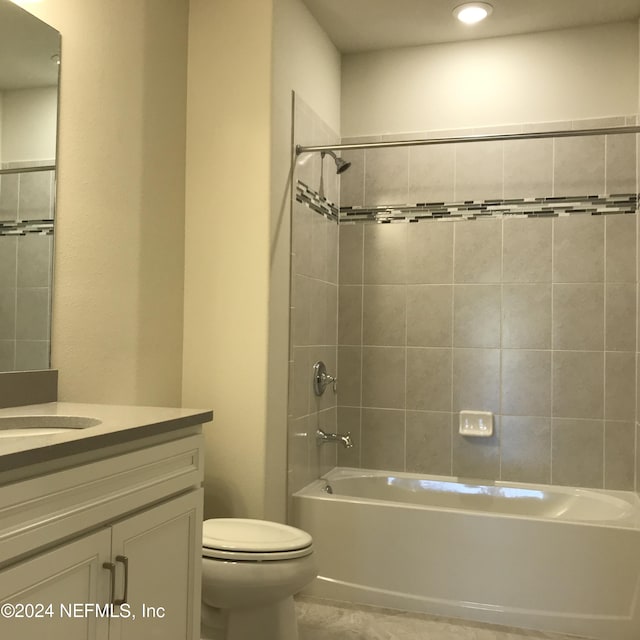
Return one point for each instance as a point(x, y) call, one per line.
point(111, 568)
point(125, 562)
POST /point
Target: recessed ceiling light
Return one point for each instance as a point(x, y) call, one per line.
point(472, 12)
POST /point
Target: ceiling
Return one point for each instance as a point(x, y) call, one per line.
point(26, 47)
point(366, 25)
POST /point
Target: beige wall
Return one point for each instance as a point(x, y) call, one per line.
point(117, 309)
point(227, 244)
point(560, 75)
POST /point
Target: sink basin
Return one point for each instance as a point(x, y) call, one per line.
point(19, 426)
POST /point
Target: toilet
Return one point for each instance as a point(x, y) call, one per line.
point(250, 571)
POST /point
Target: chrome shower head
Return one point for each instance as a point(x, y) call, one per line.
point(341, 165)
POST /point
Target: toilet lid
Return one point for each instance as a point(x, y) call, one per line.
point(243, 539)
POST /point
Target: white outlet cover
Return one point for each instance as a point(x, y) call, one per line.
point(477, 424)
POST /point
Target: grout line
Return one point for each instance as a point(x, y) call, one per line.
point(451, 371)
point(551, 427)
point(500, 370)
point(362, 247)
point(604, 341)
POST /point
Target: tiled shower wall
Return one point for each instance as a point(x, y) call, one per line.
point(314, 306)
point(531, 318)
point(26, 244)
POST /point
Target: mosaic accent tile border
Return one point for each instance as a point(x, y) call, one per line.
point(522, 207)
point(26, 227)
point(316, 202)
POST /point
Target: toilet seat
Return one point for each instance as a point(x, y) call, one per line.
point(247, 540)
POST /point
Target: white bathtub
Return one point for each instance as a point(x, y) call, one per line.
point(533, 556)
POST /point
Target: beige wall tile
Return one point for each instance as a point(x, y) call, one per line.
point(637, 455)
point(526, 383)
point(319, 246)
point(431, 173)
point(349, 422)
point(579, 166)
point(620, 385)
point(352, 180)
point(527, 250)
point(477, 457)
point(8, 261)
point(331, 324)
point(349, 376)
point(322, 458)
point(333, 235)
point(301, 220)
point(619, 455)
point(578, 316)
point(476, 315)
point(349, 314)
point(526, 316)
point(385, 256)
point(384, 315)
point(351, 253)
point(301, 301)
point(621, 248)
point(298, 474)
point(299, 404)
point(525, 449)
point(476, 379)
point(477, 251)
point(569, 437)
point(428, 442)
point(430, 253)
point(578, 249)
point(429, 379)
point(578, 384)
point(479, 171)
point(528, 168)
point(383, 439)
point(429, 315)
point(620, 319)
point(32, 314)
point(383, 377)
point(386, 179)
point(318, 313)
point(7, 314)
point(621, 164)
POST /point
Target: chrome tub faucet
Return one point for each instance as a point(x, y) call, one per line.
point(345, 439)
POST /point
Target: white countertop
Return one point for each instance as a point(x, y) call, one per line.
point(126, 421)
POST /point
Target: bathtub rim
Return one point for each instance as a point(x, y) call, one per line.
point(314, 491)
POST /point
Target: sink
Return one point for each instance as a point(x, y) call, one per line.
point(20, 426)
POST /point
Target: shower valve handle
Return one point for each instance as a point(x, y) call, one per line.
point(321, 379)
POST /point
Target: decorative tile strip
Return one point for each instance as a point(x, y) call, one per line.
point(515, 207)
point(26, 227)
point(315, 201)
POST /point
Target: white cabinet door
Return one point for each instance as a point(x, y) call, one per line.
point(158, 558)
point(50, 591)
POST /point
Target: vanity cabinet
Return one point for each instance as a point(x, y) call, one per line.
point(126, 527)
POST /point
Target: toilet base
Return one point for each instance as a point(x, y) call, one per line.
point(275, 621)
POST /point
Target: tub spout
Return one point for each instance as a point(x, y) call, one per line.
point(322, 437)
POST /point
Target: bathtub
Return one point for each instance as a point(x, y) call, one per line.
point(523, 555)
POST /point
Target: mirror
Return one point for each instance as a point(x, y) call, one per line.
point(29, 71)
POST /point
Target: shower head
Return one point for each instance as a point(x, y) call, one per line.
point(341, 165)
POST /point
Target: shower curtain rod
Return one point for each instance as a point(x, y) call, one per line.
point(50, 167)
point(567, 133)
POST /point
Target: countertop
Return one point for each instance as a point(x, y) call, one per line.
point(117, 423)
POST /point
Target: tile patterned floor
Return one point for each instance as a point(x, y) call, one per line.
point(325, 620)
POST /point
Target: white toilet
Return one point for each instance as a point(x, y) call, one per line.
point(250, 571)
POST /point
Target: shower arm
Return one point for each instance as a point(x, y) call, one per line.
point(500, 137)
